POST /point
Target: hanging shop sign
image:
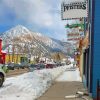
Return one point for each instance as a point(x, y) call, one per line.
point(73, 39)
point(75, 26)
point(73, 34)
point(74, 10)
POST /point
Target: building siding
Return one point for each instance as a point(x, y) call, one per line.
point(16, 58)
point(96, 53)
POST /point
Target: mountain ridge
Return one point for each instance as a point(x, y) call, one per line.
point(24, 38)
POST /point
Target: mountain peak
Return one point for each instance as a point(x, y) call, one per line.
point(21, 35)
point(21, 28)
point(16, 31)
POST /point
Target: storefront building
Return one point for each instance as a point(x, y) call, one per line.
point(88, 52)
point(91, 64)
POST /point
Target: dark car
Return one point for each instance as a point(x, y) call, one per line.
point(41, 66)
point(58, 64)
point(17, 66)
point(33, 67)
point(24, 65)
point(2, 74)
point(10, 66)
point(50, 65)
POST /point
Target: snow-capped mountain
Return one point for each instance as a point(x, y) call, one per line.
point(31, 42)
point(16, 31)
point(21, 31)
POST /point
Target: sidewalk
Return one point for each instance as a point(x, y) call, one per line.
point(59, 90)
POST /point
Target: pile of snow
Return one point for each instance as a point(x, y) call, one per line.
point(29, 86)
point(71, 75)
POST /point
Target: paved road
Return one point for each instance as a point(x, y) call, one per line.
point(17, 72)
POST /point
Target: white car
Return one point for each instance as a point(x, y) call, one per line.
point(2, 75)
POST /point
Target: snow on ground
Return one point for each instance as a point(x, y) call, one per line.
point(30, 85)
point(70, 75)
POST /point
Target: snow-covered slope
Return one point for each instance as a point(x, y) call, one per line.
point(23, 37)
point(16, 31)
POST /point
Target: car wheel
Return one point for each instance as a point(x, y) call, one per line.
point(1, 80)
point(17, 68)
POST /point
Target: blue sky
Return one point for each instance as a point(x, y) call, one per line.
point(42, 16)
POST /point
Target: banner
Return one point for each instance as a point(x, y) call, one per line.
point(74, 10)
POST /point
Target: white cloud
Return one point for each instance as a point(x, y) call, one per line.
point(43, 13)
point(36, 11)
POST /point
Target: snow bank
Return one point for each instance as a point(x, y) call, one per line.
point(30, 85)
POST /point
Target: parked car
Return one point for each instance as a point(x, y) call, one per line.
point(5, 68)
point(17, 66)
point(41, 66)
point(11, 66)
point(63, 63)
point(24, 65)
point(50, 65)
point(33, 67)
point(2, 74)
point(58, 64)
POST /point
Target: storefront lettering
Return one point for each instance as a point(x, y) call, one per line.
point(74, 6)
